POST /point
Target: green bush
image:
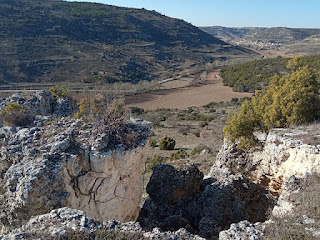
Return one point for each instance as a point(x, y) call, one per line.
point(136, 110)
point(91, 108)
point(59, 92)
point(210, 105)
point(190, 110)
point(199, 117)
point(15, 115)
point(180, 154)
point(167, 143)
point(292, 99)
point(152, 143)
point(155, 160)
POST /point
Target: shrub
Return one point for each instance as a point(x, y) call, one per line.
point(152, 143)
point(199, 117)
point(190, 110)
point(137, 110)
point(292, 99)
point(155, 160)
point(117, 109)
point(180, 154)
point(203, 124)
point(235, 100)
point(210, 105)
point(15, 115)
point(167, 143)
point(59, 92)
point(163, 118)
point(90, 108)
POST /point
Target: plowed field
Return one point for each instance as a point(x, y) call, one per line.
point(183, 97)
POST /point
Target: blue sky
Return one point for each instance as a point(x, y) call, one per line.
point(234, 13)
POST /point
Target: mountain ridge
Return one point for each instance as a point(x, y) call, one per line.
point(279, 34)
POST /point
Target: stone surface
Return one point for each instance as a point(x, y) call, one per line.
point(285, 152)
point(243, 230)
point(206, 212)
point(283, 166)
point(169, 185)
point(63, 162)
point(66, 223)
point(42, 103)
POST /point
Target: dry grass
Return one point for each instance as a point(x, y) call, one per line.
point(189, 133)
point(295, 226)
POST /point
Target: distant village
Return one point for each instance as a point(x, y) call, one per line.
point(257, 44)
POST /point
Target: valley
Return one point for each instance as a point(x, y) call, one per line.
point(182, 97)
point(124, 123)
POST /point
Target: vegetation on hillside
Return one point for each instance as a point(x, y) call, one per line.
point(91, 43)
point(292, 99)
point(255, 75)
point(274, 34)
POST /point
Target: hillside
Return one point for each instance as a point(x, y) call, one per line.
point(53, 41)
point(281, 35)
point(272, 42)
point(253, 75)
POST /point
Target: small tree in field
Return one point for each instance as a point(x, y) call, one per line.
point(167, 143)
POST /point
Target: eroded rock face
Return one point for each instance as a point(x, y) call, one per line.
point(169, 185)
point(67, 163)
point(42, 103)
point(206, 212)
point(286, 152)
point(286, 165)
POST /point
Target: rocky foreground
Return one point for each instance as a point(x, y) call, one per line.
point(62, 178)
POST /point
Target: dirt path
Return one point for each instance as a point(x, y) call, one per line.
point(182, 98)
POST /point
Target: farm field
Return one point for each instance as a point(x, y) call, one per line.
point(212, 90)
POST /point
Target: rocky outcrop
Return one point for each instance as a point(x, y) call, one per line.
point(169, 185)
point(66, 223)
point(285, 165)
point(62, 162)
point(42, 103)
point(207, 211)
point(285, 152)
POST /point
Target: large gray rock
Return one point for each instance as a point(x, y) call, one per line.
point(54, 165)
point(206, 212)
point(169, 185)
point(42, 103)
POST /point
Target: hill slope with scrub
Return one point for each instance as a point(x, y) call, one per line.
point(56, 41)
point(250, 76)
